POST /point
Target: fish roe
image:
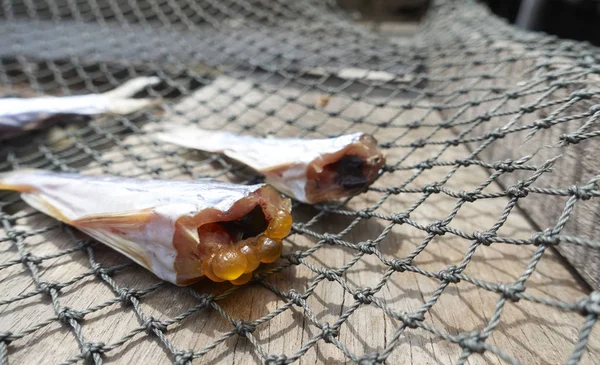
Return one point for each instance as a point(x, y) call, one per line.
point(208, 271)
point(229, 264)
point(252, 257)
point(280, 226)
point(268, 249)
point(242, 279)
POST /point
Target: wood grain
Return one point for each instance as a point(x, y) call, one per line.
point(531, 333)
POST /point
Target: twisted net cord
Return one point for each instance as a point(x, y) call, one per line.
point(442, 43)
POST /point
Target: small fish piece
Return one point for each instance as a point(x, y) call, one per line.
point(323, 101)
point(22, 114)
point(309, 170)
point(179, 230)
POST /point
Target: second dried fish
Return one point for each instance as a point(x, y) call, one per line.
point(309, 170)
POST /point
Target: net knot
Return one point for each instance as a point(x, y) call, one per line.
point(364, 295)
point(506, 165)
point(6, 337)
point(152, 324)
point(484, 117)
point(330, 275)
point(485, 238)
point(89, 349)
point(463, 162)
point(99, 270)
point(204, 299)
point(127, 294)
point(595, 108)
point(418, 143)
point(295, 258)
point(527, 108)
point(446, 124)
point(425, 164)
point(14, 234)
point(28, 257)
point(589, 305)
point(583, 194)
point(570, 138)
point(559, 83)
point(295, 297)
point(363, 214)
point(513, 95)
point(545, 238)
point(411, 319)
point(328, 332)
point(46, 287)
point(517, 191)
point(453, 142)
point(449, 274)
point(472, 342)
point(468, 196)
point(329, 238)
point(183, 357)
point(371, 358)
point(543, 123)
point(66, 314)
point(400, 218)
point(386, 145)
point(367, 247)
point(495, 134)
point(242, 328)
point(276, 360)
point(399, 264)
point(431, 189)
point(414, 124)
point(582, 94)
point(511, 291)
point(436, 228)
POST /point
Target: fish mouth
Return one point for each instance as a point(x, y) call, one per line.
point(344, 173)
point(229, 246)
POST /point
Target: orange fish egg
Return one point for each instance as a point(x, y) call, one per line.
point(242, 279)
point(208, 271)
point(280, 226)
point(268, 249)
point(252, 257)
point(229, 264)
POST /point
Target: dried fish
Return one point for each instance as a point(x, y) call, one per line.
point(179, 230)
point(309, 170)
point(22, 114)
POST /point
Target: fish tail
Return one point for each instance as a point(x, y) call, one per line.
point(17, 180)
point(196, 138)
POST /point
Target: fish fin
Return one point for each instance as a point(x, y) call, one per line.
point(131, 219)
point(37, 201)
point(121, 244)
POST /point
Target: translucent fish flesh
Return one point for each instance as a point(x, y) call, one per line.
point(309, 170)
point(179, 230)
point(22, 114)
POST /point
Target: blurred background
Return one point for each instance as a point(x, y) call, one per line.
point(572, 19)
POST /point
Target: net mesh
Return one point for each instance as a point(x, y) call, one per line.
point(469, 111)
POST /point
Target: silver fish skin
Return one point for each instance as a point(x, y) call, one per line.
point(309, 170)
point(156, 223)
point(22, 114)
